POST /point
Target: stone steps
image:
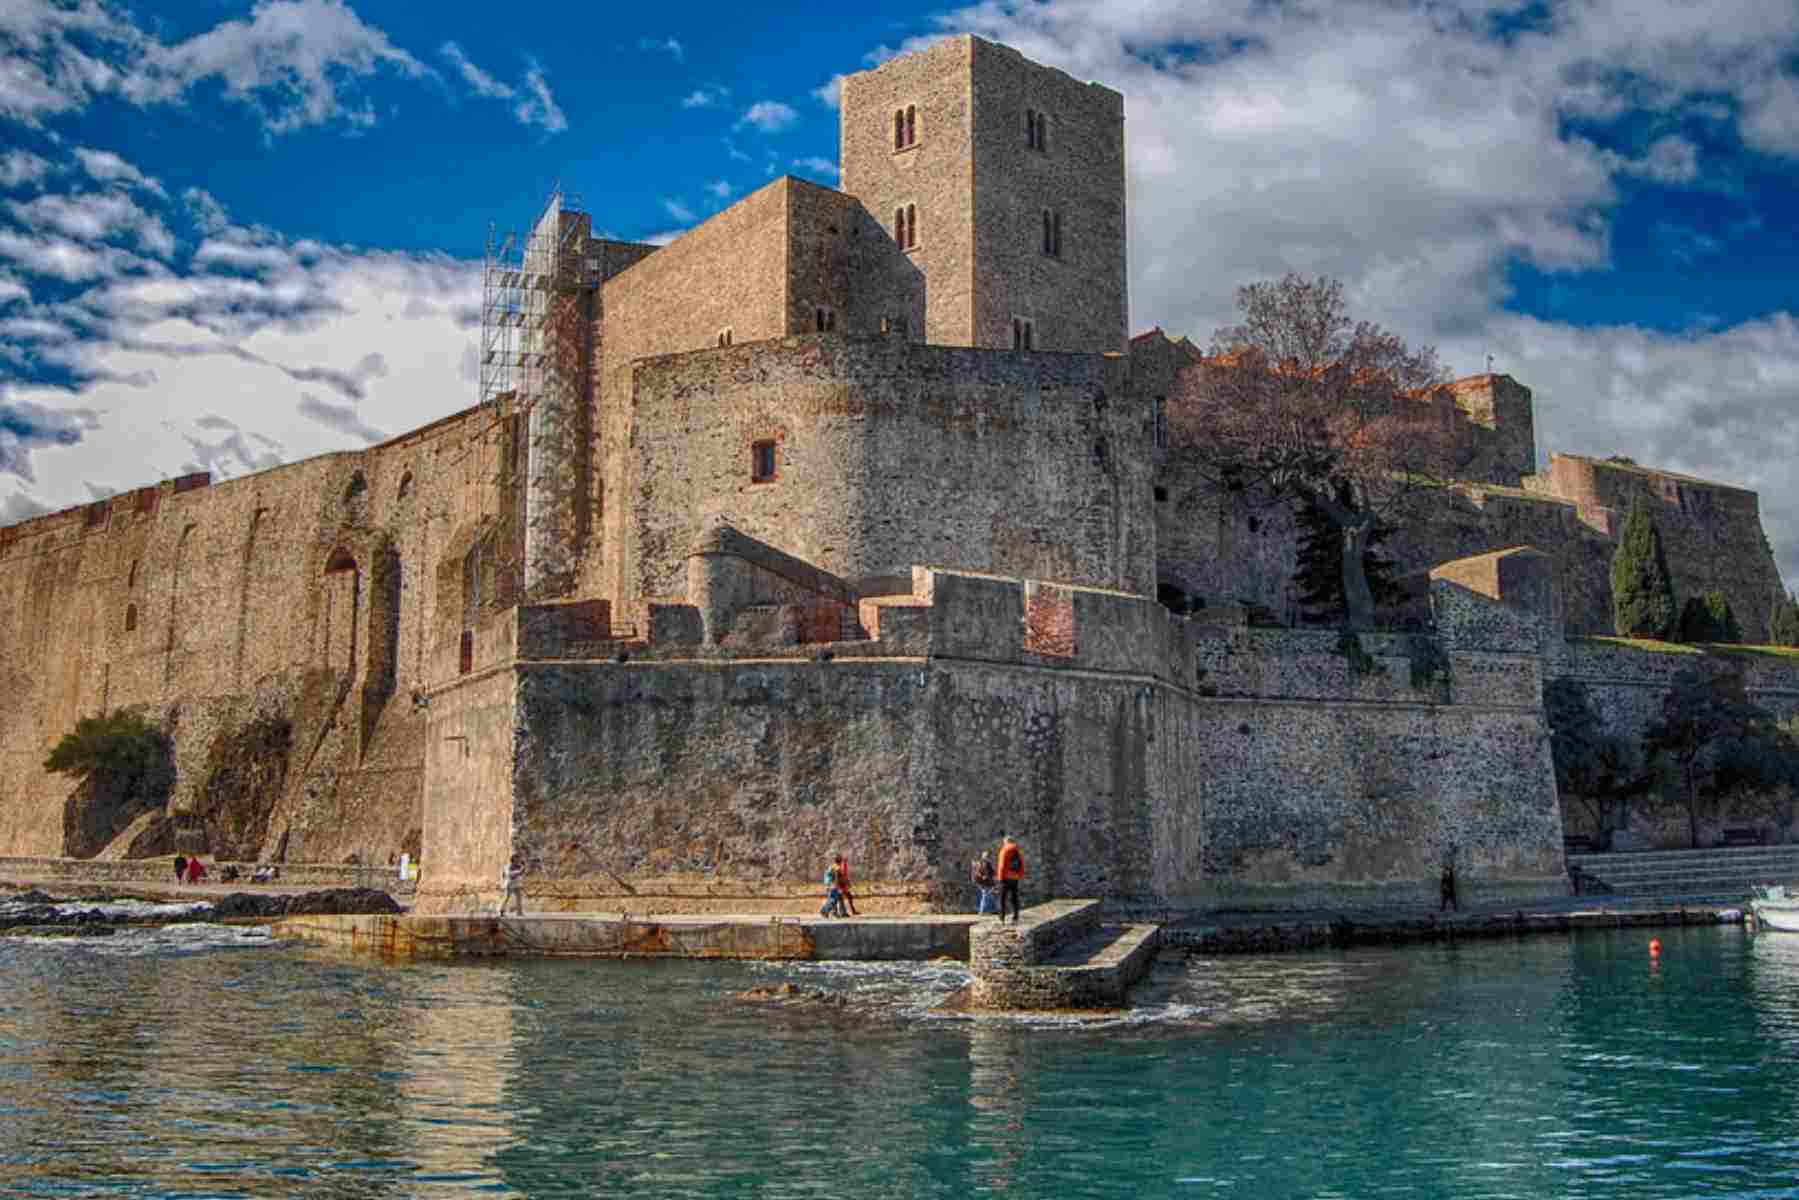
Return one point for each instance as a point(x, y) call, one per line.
point(1060, 955)
point(1717, 874)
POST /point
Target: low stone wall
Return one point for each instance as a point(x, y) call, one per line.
point(1013, 967)
point(162, 871)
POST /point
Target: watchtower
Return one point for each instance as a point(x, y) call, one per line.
point(1003, 181)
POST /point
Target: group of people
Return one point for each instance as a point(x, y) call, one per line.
point(1007, 874)
point(838, 901)
point(189, 870)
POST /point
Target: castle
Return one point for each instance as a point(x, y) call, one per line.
point(844, 521)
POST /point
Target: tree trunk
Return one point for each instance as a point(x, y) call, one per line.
point(1358, 597)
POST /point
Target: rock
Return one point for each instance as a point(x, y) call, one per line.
point(237, 906)
point(790, 993)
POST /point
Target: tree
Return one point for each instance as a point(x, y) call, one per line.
point(1708, 618)
point(1705, 720)
point(1299, 403)
point(134, 752)
point(1642, 590)
point(1783, 624)
point(1593, 769)
point(1318, 571)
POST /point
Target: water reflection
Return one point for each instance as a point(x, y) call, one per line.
point(1544, 1067)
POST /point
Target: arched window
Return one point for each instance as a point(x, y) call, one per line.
point(1030, 128)
point(899, 129)
point(130, 617)
point(911, 125)
point(357, 487)
point(911, 226)
point(406, 485)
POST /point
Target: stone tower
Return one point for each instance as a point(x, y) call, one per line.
point(1003, 180)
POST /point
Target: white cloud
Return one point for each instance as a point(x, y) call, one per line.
point(95, 217)
point(818, 166)
point(830, 92)
point(663, 45)
point(295, 62)
point(61, 258)
point(1671, 159)
point(20, 167)
point(719, 188)
point(705, 97)
point(108, 167)
point(539, 107)
point(770, 116)
point(12, 291)
point(679, 211)
point(482, 83)
point(207, 212)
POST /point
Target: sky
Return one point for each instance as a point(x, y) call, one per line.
point(235, 234)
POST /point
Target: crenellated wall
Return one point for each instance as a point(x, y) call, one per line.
point(1139, 756)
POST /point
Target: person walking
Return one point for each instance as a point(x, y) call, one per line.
point(843, 884)
point(515, 892)
point(180, 868)
point(833, 906)
point(1011, 873)
point(984, 879)
point(196, 870)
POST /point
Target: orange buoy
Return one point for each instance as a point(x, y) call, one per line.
point(1655, 947)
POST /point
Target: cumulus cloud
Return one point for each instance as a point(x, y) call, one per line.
point(1671, 159)
point(294, 62)
point(818, 166)
point(254, 351)
point(20, 167)
point(830, 92)
point(95, 217)
point(107, 167)
point(770, 116)
point(704, 97)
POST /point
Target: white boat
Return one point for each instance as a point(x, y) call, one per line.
point(1774, 909)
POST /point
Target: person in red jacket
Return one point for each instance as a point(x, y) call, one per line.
point(843, 884)
point(196, 871)
point(1011, 872)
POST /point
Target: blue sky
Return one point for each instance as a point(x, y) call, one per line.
point(234, 234)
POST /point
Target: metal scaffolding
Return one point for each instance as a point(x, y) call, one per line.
point(520, 272)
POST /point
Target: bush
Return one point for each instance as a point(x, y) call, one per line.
point(122, 745)
point(1708, 618)
point(1642, 590)
point(1783, 626)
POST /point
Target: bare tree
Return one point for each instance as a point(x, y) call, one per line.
point(1300, 402)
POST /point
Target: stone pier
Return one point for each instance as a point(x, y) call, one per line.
point(1058, 955)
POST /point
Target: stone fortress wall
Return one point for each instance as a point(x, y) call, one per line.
point(696, 613)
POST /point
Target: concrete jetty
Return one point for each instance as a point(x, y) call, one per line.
point(916, 938)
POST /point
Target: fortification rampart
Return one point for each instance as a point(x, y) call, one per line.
point(309, 593)
point(1137, 754)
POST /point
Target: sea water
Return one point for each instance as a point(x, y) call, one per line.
point(202, 1061)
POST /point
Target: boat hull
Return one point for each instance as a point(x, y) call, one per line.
point(1779, 915)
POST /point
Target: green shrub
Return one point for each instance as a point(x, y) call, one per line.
point(1708, 618)
point(1783, 626)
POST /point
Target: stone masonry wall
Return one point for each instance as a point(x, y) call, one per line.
point(934, 175)
point(310, 592)
point(1077, 299)
point(657, 775)
point(888, 454)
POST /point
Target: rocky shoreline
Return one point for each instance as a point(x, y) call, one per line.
point(36, 913)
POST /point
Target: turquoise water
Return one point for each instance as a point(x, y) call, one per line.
point(204, 1062)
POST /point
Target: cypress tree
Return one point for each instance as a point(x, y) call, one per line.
point(1642, 592)
point(1783, 626)
point(1708, 618)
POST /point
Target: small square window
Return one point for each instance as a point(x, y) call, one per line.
point(762, 462)
point(1161, 495)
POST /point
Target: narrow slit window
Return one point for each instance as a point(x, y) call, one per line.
point(911, 125)
point(899, 129)
point(1024, 335)
point(466, 653)
point(1055, 240)
point(1161, 423)
point(724, 337)
point(1030, 128)
point(1049, 245)
point(130, 617)
point(911, 226)
point(825, 319)
point(762, 461)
